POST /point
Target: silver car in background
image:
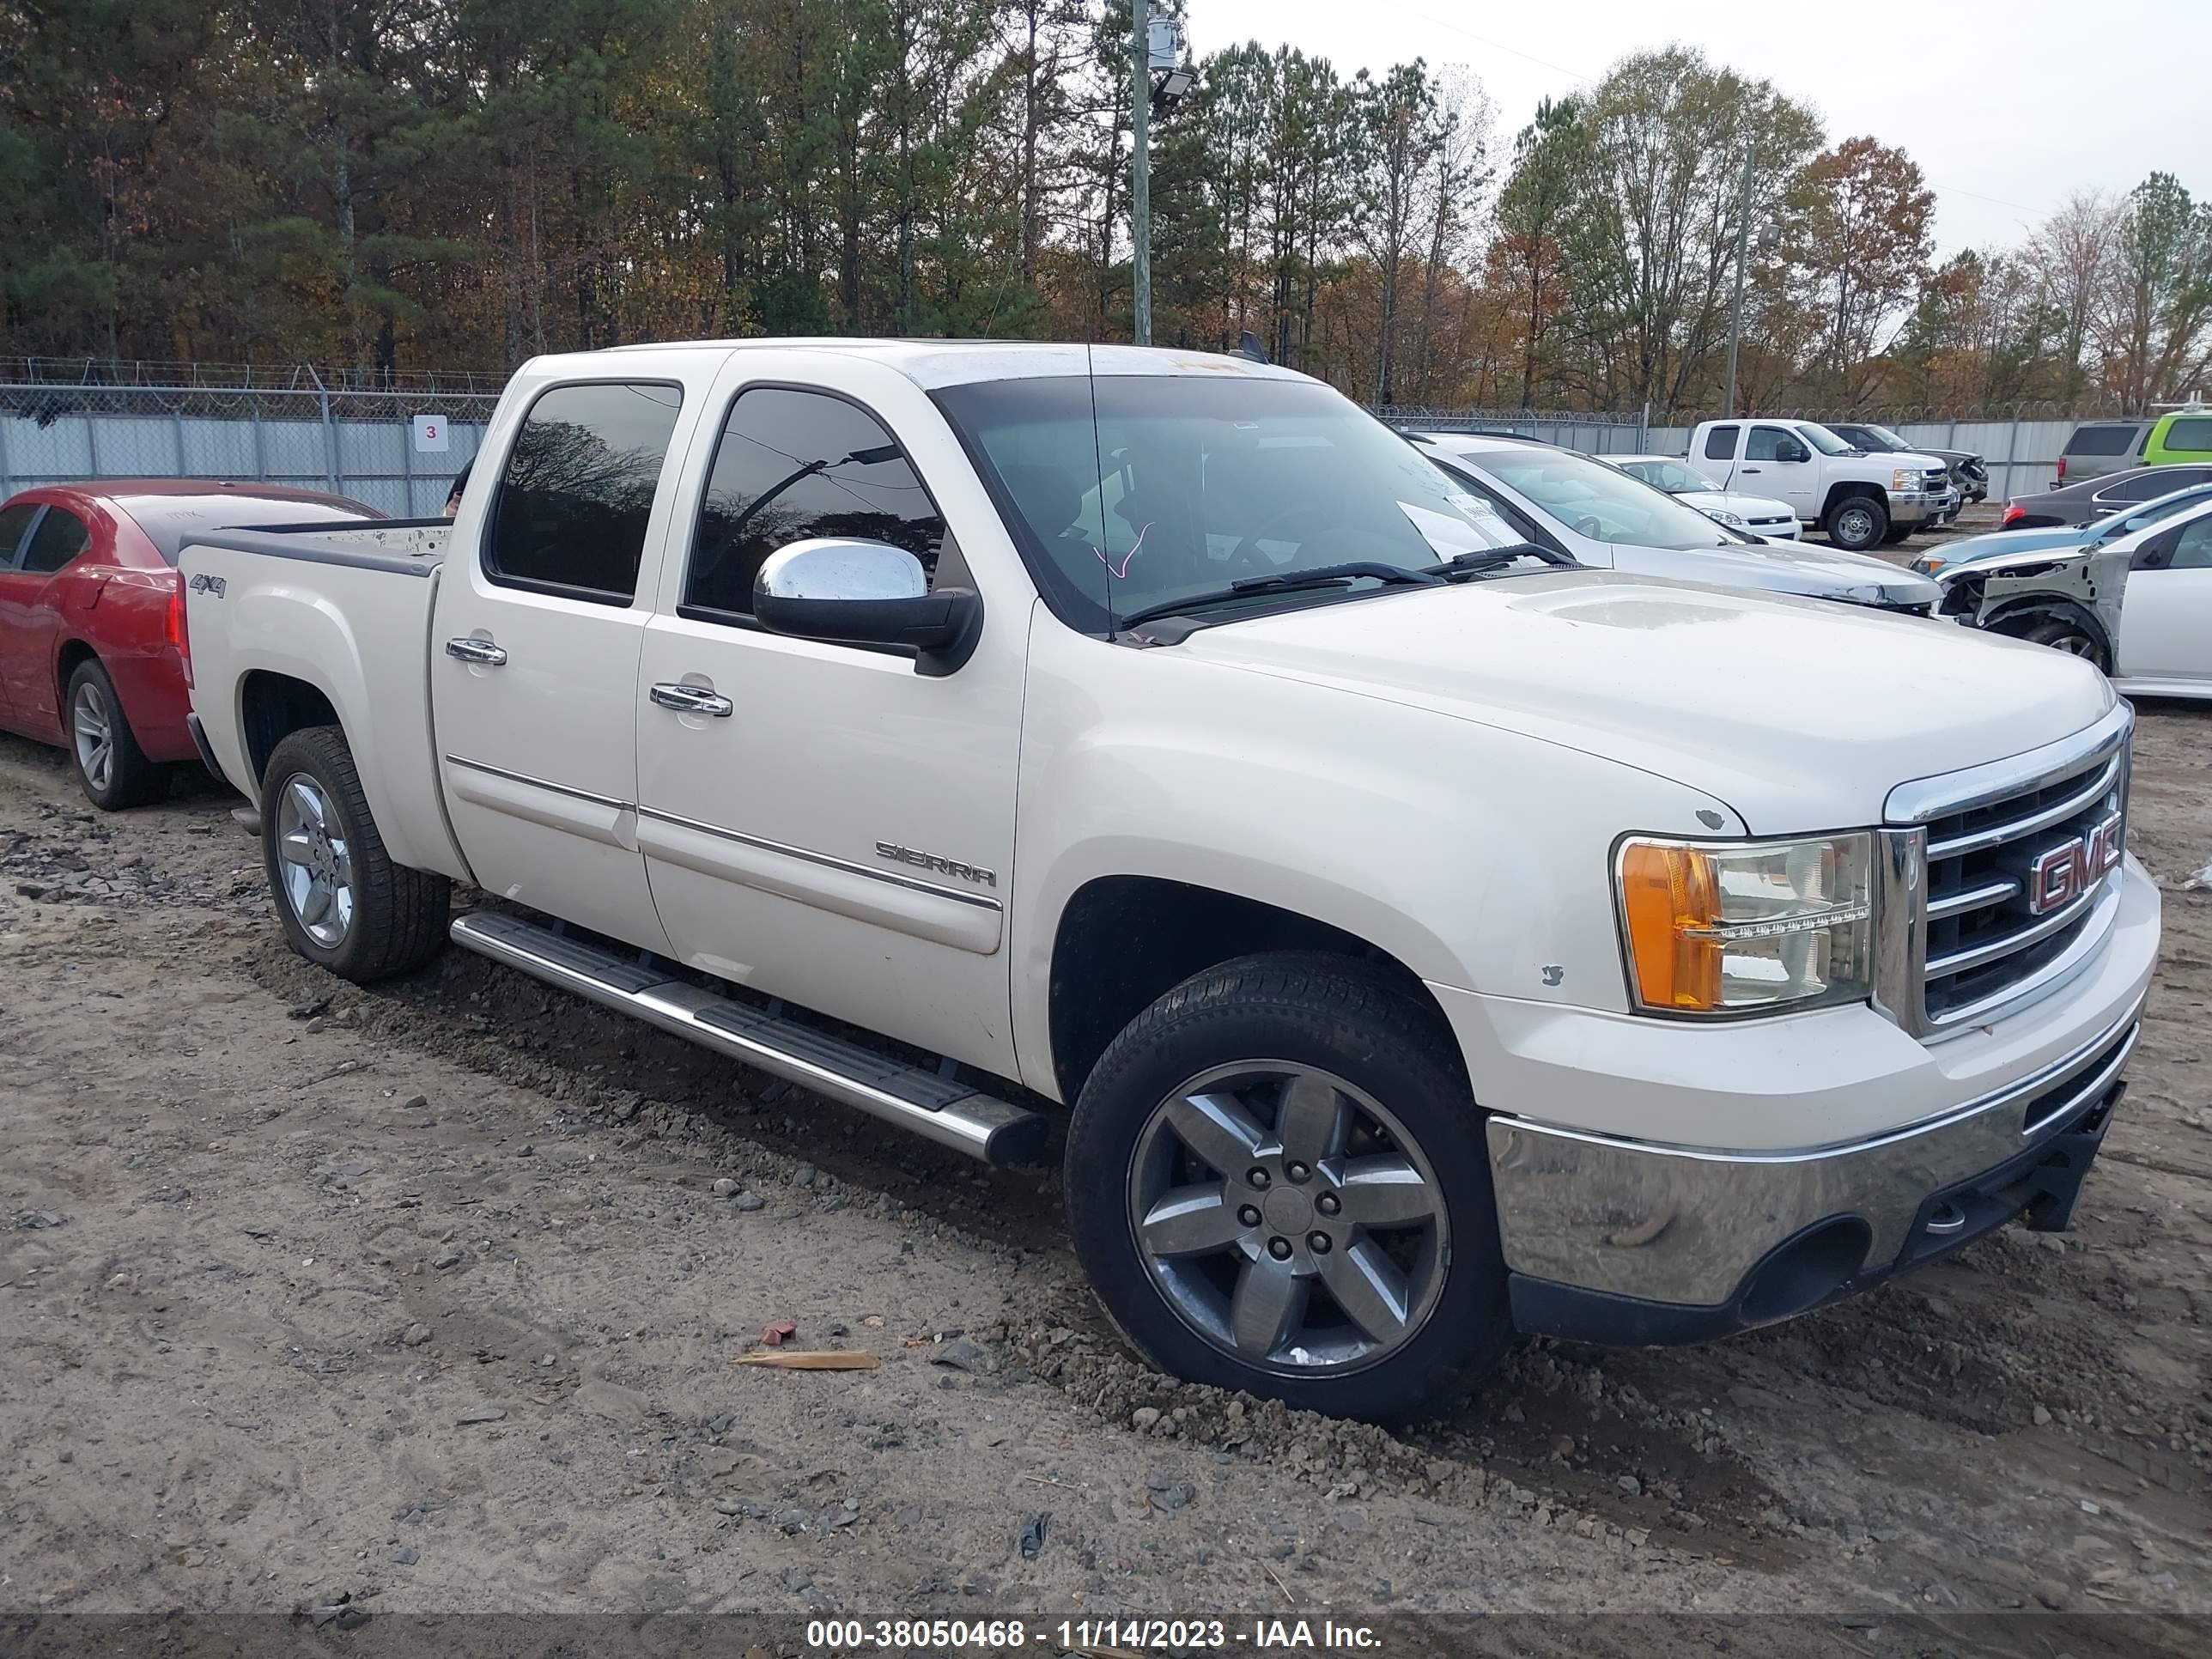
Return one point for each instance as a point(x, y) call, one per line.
point(1601, 516)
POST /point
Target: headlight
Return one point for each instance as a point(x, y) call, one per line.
point(1724, 516)
point(1904, 480)
point(1717, 928)
point(1929, 566)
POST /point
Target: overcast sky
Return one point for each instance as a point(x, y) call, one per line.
point(2008, 106)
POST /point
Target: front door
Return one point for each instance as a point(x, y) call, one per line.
point(542, 603)
point(2166, 610)
point(14, 525)
point(1777, 463)
point(821, 822)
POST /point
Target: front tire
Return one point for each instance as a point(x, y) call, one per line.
point(344, 904)
point(111, 769)
point(1857, 523)
point(1896, 535)
point(1278, 1183)
point(2060, 634)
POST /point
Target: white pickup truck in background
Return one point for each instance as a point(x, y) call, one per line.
point(1858, 500)
point(1417, 939)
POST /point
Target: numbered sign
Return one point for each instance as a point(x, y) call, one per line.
point(431, 437)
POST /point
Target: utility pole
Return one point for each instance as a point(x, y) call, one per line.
point(1140, 165)
point(1736, 311)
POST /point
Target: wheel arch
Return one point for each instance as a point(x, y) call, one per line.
point(1122, 941)
point(1850, 489)
point(2051, 607)
point(272, 706)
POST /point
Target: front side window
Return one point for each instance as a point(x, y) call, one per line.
point(576, 492)
point(1772, 443)
point(2193, 550)
point(792, 466)
point(1129, 491)
point(1720, 444)
point(60, 536)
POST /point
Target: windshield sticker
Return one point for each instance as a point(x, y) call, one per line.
point(1446, 535)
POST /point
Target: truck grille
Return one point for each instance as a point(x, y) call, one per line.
point(2017, 880)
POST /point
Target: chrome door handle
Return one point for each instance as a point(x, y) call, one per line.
point(469, 648)
point(692, 699)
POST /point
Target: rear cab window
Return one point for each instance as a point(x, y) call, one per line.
point(1720, 444)
point(575, 494)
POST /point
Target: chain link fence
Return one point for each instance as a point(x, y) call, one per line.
point(70, 421)
point(66, 419)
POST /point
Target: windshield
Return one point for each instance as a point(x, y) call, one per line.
point(1821, 439)
point(1887, 439)
point(1136, 490)
point(1599, 501)
point(1671, 476)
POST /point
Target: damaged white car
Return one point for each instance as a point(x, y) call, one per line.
point(2138, 605)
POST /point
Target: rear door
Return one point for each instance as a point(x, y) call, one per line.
point(547, 586)
point(28, 620)
point(821, 822)
point(2165, 610)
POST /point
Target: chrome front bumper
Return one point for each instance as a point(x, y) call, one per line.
point(1695, 1229)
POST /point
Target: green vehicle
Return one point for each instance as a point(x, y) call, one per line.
point(2183, 435)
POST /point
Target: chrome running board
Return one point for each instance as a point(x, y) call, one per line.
point(939, 1109)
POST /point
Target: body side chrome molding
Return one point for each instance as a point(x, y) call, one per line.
point(528, 782)
point(806, 854)
point(827, 861)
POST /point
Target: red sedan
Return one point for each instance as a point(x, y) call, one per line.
point(92, 654)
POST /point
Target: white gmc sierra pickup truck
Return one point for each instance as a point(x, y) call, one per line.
point(1422, 939)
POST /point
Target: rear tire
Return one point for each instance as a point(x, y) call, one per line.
point(1363, 1279)
point(111, 768)
point(344, 904)
point(1856, 523)
point(2060, 634)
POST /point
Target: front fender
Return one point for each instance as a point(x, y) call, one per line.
point(1476, 857)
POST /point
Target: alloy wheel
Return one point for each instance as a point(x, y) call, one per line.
point(314, 862)
point(92, 730)
point(1288, 1218)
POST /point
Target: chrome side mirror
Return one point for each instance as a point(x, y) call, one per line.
point(861, 593)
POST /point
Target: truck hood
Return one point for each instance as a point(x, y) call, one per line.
point(1783, 566)
point(1798, 713)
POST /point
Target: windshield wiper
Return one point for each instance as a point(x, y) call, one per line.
point(1290, 581)
point(1477, 561)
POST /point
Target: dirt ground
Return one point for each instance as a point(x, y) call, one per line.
point(428, 1294)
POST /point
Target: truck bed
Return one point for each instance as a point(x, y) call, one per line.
point(346, 612)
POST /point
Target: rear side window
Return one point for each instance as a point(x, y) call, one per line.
point(2109, 439)
point(2193, 435)
point(1720, 444)
point(60, 536)
point(13, 521)
point(577, 490)
point(2144, 486)
point(791, 465)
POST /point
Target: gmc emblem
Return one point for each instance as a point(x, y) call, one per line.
point(2063, 873)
